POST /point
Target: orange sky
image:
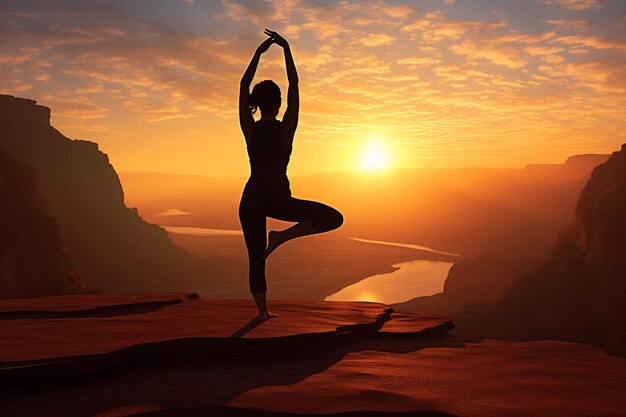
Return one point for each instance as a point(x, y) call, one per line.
point(438, 83)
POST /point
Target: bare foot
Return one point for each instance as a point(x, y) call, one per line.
point(273, 241)
point(266, 316)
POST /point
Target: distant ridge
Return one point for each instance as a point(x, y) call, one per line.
point(469, 211)
point(582, 161)
point(579, 293)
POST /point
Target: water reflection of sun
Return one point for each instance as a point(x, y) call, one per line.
point(366, 296)
point(374, 155)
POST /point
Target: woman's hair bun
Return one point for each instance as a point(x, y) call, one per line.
point(265, 95)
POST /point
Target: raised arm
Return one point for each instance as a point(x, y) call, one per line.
point(246, 121)
point(290, 119)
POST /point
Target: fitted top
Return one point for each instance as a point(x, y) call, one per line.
point(269, 157)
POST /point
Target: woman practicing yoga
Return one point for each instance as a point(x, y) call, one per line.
point(267, 192)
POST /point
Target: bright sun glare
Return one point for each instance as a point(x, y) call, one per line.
point(374, 156)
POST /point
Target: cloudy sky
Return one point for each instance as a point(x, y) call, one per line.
point(440, 83)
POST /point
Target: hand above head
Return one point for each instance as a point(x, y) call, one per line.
point(265, 45)
point(276, 38)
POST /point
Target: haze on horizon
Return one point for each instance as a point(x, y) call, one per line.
point(440, 83)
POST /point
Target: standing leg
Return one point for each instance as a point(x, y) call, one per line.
point(312, 218)
point(259, 299)
point(252, 218)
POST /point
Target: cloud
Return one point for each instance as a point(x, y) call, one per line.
point(419, 75)
point(601, 75)
point(576, 4)
point(68, 105)
point(324, 22)
point(15, 86)
point(542, 50)
point(433, 28)
point(377, 39)
point(418, 61)
point(399, 11)
point(594, 42)
point(19, 55)
point(579, 24)
point(261, 12)
point(43, 77)
point(491, 51)
point(422, 22)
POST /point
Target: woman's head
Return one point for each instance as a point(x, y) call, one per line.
point(266, 96)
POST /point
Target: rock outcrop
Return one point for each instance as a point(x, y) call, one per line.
point(33, 260)
point(179, 325)
point(483, 279)
point(579, 294)
point(186, 356)
point(600, 230)
point(112, 248)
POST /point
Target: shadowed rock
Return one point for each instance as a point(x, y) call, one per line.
point(483, 279)
point(196, 330)
point(579, 294)
point(315, 358)
point(247, 412)
point(33, 260)
point(112, 248)
point(88, 305)
point(383, 377)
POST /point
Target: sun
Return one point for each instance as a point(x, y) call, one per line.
point(374, 156)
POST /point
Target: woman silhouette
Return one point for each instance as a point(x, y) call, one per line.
point(267, 192)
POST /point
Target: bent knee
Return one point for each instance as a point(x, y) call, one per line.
point(336, 220)
point(331, 220)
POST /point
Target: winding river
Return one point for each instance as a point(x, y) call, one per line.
point(412, 279)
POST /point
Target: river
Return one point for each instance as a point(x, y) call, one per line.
point(412, 279)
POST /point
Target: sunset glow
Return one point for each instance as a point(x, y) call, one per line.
point(313, 207)
point(374, 156)
point(450, 83)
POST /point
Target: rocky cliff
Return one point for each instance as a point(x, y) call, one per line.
point(33, 260)
point(175, 354)
point(482, 279)
point(112, 248)
point(579, 294)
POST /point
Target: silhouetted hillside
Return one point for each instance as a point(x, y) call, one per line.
point(112, 248)
point(516, 212)
point(579, 294)
point(33, 261)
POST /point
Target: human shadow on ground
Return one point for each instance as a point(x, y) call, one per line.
point(99, 312)
point(196, 381)
point(247, 412)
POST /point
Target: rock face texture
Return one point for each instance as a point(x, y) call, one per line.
point(484, 279)
point(33, 260)
point(600, 230)
point(579, 294)
point(112, 248)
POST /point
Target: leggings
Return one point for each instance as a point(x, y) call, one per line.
point(253, 210)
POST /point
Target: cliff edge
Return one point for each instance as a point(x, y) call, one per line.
point(579, 294)
point(33, 259)
point(112, 247)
